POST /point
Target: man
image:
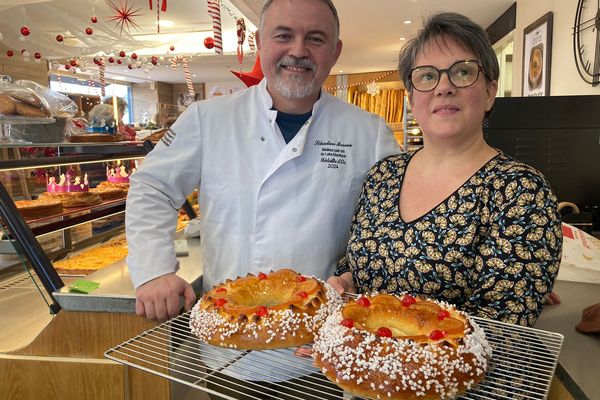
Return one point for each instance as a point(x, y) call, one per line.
point(279, 167)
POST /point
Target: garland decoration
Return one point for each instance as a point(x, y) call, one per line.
point(370, 81)
point(241, 36)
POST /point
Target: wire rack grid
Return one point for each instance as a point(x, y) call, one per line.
point(522, 365)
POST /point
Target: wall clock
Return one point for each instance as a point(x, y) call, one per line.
point(586, 41)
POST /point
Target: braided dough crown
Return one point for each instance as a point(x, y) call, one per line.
point(276, 310)
point(386, 346)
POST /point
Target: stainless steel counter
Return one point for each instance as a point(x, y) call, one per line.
point(579, 362)
point(116, 293)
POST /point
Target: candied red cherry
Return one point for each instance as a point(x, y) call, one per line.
point(363, 301)
point(347, 322)
point(221, 290)
point(262, 311)
point(384, 332)
point(300, 278)
point(220, 302)
point(407, 300)
point(302, 294)
point(262, 275)
point(437, 334)
point(443, 314)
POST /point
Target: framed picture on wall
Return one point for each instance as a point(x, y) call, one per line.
point(537, 56)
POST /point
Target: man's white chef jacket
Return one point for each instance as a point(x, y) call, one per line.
point(263, 204)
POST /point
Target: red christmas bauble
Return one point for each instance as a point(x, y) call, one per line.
point(10, 53)
point(25, 31)
point(59, 38)
point(134, 56)
point(119, 61)
point(94, 19)
point(130, 66)
point(209, 43)
point(172, 48)
point(37, 55)
point(154, 60)
point(73, 63)
point(121, 53)
point(67, 66)
point(111, 60)
point(89, 31)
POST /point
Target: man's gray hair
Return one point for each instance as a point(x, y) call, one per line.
point(329, 4)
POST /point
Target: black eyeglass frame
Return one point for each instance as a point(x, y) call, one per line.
point(447, 70)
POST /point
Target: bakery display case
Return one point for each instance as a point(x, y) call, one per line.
point(43, 221)
point(53, 332)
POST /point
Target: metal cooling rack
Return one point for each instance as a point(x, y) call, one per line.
point(522, 365)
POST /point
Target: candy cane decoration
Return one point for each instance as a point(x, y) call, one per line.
point(162, 8)
point(241, 35)
point(102, 69)
point(251, 41)
point(214, 10)
point(186, 71)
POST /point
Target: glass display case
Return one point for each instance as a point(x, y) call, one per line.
point(32, 243)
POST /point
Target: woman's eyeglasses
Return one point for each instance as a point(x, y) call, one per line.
point(461, 74)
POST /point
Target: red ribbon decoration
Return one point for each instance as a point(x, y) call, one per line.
point(163, 6)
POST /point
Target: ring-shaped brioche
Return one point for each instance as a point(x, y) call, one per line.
point(401, 347)
point(269, 311)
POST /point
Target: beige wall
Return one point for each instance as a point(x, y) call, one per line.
point(19, 69)
point(565, 79)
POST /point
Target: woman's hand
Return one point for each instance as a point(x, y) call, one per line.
point(552, 298)
point(342, 283)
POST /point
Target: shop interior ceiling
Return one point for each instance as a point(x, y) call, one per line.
point(370, 30)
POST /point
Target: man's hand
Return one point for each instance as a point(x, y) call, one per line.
point(342, 283)
point(158, 299)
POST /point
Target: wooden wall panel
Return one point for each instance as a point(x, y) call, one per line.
point(28, 378)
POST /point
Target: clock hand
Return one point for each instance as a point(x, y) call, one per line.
point(596, 76)
point(581, 28)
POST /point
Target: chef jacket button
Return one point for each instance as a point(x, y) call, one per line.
point(262, 138)
point(294, 149)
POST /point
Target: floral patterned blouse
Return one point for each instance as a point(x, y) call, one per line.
point(492, 248)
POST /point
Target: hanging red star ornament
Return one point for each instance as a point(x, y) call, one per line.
point(124, 14)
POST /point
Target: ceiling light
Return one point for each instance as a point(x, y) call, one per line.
point(166, 23)
point(119, 77)
point(341, 71)
point(402, 38)
point(408, 21)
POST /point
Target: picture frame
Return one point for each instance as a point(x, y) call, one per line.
point(537, 57)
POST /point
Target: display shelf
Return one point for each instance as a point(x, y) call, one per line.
point(413, 136)
point(23, 234)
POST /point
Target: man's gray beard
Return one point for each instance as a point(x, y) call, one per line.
point(294, 87)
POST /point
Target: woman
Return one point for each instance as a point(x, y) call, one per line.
point(458, 220)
